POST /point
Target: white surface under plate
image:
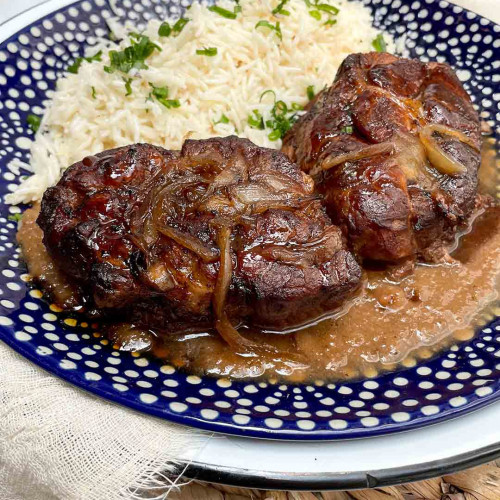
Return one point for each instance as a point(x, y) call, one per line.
point(414, 455)
point(370, 462)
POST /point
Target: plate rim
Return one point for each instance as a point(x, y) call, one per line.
point(253, 432)
point(45, 7)
point(254, 479)
point(34, 14)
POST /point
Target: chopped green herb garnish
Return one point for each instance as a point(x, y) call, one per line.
point(222, 119)
point(73, 68)
point(274, 135)
point(15, 217)
point(223, 12)
point(209, 51)
point(34, 122)
point(164, 29)
point(280, 108)
point(379, 43)
point(256, 121)
point(237, 8)
point(310, 92)
point(268, 91)
point(280, 10)
point(137, 37)
point(179, 25)
point(282, 117)
point(170, 103)
point(329, 9)
point(95, 57)
point(318, 8)
point(161, 95)
point(128, 86)
point(281, 120)
point(133, 56)
point(93, 93)
point(346, 130)
point(267, 24)
point(159, 92)
point(316, 14)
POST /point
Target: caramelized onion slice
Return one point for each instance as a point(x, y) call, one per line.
point(255, 193)
point(206, 253)
point(222, 323)
point(226, 330)
point(372, 150)
point(441, 160)
point(452, 132)
point(410, 156)
point(305, 254)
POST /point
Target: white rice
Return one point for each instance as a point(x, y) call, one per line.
point(249, 61)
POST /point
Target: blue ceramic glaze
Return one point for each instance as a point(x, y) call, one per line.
point(459, 380)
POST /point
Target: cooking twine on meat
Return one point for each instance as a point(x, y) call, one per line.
point(58, 442)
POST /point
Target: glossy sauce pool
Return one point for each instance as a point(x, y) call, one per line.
point(392, 321)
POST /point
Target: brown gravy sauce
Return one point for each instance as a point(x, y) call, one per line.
point(393, 321)
point(40, 265)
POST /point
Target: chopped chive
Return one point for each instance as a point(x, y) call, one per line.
point(268, 91)
point(237, 7)
point(161, 95)
point(34, 122)
point(256, 121)
point(276, 28)
point(318, 8)
point(280, 108)
point(179, 25)
point(281, 120)
point(223, 12)
point(222, 119)
point(297, 107)
point(128, 86)
point(164, 29)
point(310, 92)
point(280, 10)
point(274, 135)
point(159, 92)
point(379, 43)
point(93, 93)
point(134, 56)
point(346, 130)
point(209, 51)
point(73, 68)
point(15, 217)
point(170, 103)
point(329, 9)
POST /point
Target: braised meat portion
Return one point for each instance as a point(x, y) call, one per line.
point(394, 148)
point(222, 231)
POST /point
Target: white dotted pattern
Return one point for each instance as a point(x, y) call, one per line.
point(30, 64)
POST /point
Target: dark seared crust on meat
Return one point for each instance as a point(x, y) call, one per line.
point(85, 219)
point(389, 211)
point(102, 223)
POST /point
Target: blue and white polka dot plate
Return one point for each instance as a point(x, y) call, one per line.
point(460, 380)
